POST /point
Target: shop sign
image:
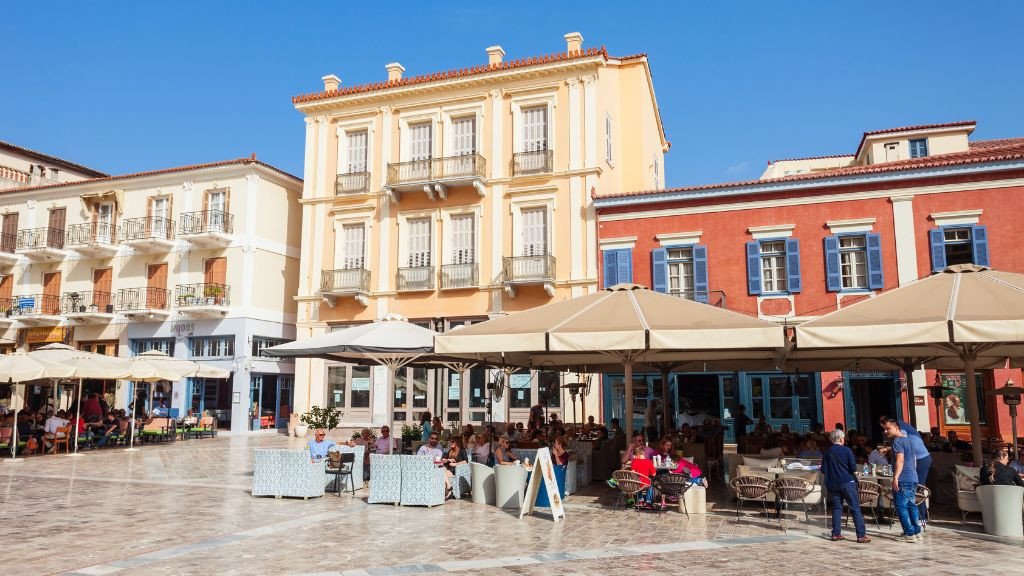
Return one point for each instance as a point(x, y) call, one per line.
point(45, 334)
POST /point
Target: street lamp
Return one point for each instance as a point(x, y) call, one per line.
point(582, 388)
point(937, 391)
point(1011, 397)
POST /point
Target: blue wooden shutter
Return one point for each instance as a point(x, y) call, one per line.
point(833, 275)
point(937, 241)
point(624, 266)
point(754, 267)
point(659, 269)
point(876, 276)
point(700, 273)
point(793, 265)
point(611, 274)
point(979, 237)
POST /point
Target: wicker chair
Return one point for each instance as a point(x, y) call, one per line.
point(630, 484)
point(674, 485)
point(868, 494)
point(791, 490)
point(751, 489)
point(922, 495)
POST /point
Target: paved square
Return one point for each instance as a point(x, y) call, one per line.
point(184, 508)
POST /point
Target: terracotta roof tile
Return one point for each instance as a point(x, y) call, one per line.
point(987, 151)
point(250, 160)
point(50, 158)
point(459, 73)
point(770, 162)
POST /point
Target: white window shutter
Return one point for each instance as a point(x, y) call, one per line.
point(464, 136)
point(420, 141)
point(355, 245)
point(357, 143)
point(419, 242)
point(535, 236)
point(463, 241)
point(535, 129)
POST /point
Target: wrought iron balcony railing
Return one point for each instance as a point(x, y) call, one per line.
point(526, 269)
point(202, 294)
point(130, 299)
point(206, 222)
point(459, 275)
point(465, 166)
point(91, 233)
point(536, 162)
point(345, 280)
point(415, 278)
point(352, 183)
point(36, 238)
point(87, 301)
point(33, 305)
point(8, 243)
point(713, 297)
point(147, 228)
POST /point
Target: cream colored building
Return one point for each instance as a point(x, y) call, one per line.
point(452, 197)
point(21, 167)
point(198, 261)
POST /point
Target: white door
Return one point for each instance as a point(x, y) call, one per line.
point(462, 239)
point(354, 247)
point(104, 222)
point(463, 144)
point(215, 204)
point(419, 242)
point(420, 150)
point(160, 217)
point(535, 129)
point(357, 151)
point(535, 231)
point(892, 152)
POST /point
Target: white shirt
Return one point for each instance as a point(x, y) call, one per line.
point(385, 445)
point(52, 423)
point(876, 457)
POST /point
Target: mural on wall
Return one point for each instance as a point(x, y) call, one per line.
point(954, 405)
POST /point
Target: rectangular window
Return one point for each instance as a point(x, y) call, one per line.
point(356, 144)
point(680, 272)
point(519, 390)
point(140, 345)
point(959, 247)
point(421, 141)
point(477, 388)
point(463, 238)
point(360, 387)
point(608, 138)
point(464, 136)
point(336, 384)
point(353, 246)
point(773, 266)
point(535, 231)
point(548, 388)
point(853, 262)
point(212, 346)
point(261, 343)
point(919, 148)
point(535, 129)
point(419, 387)
point(419, 242)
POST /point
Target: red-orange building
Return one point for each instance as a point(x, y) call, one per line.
point(815, 234)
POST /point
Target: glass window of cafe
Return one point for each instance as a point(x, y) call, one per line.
point(348, 388)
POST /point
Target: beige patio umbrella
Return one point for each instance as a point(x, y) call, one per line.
point(624, 325)
point(21, 367)
point(966, 312)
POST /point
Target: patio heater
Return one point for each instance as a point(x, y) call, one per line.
point(582, 388)
point(937, 391)
point(495, 389)
point(1011, 397)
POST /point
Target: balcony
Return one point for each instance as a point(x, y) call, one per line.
point(93, 240)
point(41, 244)
point(713, 297)
point(415, 279)
point(435, 175)
point(347, 282)
point(207, 228)
point(144, 303)
point(8, 249)
point(529, 163)
point(456, 276)
point(35, 309)
point(149, 234)
point(527, 270)
point(352, 183)
point(204, 300)
point(88, 307)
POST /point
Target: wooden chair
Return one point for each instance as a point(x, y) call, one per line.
point(63, 436)
point(630, 484)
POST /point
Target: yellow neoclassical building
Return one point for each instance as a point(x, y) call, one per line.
point(452, 197)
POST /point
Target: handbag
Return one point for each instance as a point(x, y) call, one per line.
point(334, 460)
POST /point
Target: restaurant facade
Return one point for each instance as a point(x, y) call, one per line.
point(814, 235)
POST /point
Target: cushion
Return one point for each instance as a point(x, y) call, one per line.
point(760, 462)
point(967, 478)
point(742, 470)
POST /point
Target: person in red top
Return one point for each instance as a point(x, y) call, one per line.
point(641, 465)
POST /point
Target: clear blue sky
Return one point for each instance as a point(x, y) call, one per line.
point(128, 86)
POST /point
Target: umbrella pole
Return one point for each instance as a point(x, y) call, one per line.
point(666, 418)
point(908, 370)
point(628, 365)
point(131, 424)
point(78, 416)
point(14, 429)
point(972, 408)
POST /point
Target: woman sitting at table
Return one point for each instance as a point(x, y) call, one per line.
point(683, 466)
point(456, 455)
point(481, 448)
point(560, 451)
point(503, 455)
point(809, 449)
point(998, 472)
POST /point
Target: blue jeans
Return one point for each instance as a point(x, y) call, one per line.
point(847, 492)
point(903, 499)
point(923, 466)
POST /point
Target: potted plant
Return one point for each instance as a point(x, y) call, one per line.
point(213, 293)
point(317, 417)
point(411, 434)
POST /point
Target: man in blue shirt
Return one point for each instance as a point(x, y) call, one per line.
point(839, 466)
point(904, 481)
point(319, 446)
point(923, 458)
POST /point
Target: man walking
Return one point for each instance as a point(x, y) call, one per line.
point(904, 485)
point(923, 458)
point(839, 467)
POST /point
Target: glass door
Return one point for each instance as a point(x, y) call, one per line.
point(285, 400)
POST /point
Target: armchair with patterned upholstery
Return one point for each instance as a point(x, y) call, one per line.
point(422, 482)
point(967, 479)
point(462, 482)
point(386, 481)
point(287, 473)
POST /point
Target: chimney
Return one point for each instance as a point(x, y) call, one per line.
point(394, 71)
point(494, 55)
point(331, 82)
point(573, 42)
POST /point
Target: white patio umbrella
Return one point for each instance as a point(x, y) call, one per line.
point(392, 341)
point(625, 325)
point(21, 367)
point(966, 312)
point(84, 365)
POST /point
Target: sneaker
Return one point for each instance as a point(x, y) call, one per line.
point(837, 537)
point(919, 537)
point(863, 540)
point(910, 538)
point(611, 482)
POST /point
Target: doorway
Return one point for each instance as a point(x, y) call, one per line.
point(869, 397)
point(270, 401)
